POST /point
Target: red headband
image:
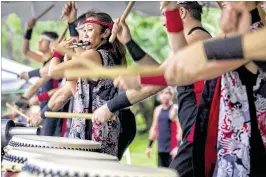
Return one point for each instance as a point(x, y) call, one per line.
point(110, 25)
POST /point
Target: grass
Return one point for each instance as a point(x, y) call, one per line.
point(137, 152)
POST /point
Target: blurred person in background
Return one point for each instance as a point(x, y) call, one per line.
point(165, 128)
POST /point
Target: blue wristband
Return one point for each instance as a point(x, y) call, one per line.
point(34, 73)
point(45, 109)
point(72, 30)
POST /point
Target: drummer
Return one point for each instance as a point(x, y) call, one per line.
point(97, 30)
point(47, 87)
point(207, 157)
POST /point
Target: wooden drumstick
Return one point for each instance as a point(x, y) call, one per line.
point(63, 115)
point(114, 72)
point(219, 4)
point(63, 34)
point(12, 108)
point(67, 115)
point(261, 14)
point(164, 3)
point(123, 17)
point(19, 112)
point(45, 11)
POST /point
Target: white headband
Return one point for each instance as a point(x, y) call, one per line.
point(47, 38)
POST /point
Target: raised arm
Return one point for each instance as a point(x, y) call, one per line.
point(174, 25)
point(26, 43)
point(177, 40)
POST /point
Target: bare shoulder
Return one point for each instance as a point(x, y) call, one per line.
point(92, 55)
point(198, 35)
point(158, 109)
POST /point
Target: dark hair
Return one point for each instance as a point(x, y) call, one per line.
point(117, 46)
point(80, 19)
point(51, 34)
point(194, 8)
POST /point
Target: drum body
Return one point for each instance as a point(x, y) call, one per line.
point(21, 148)
point(59, 167)
point(15, 158)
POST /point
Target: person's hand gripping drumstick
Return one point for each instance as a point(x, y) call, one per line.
point(33, 21)
point(102, 115)
point(123, 18)
point(121, 29)
point(69, 12)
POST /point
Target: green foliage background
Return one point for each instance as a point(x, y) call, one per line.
point(148, 32)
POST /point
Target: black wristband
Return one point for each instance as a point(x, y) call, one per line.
point(45, 109)
point(150, 143)
point(34, 73)
point(72, 30)
point(28, 34)
point(118, 102)
point(135, 51)
point(220, 49)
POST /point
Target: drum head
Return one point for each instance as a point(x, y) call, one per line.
point(53, 142)
point(51, 166)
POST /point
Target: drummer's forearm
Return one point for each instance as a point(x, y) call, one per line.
point(59, 98)
point(57, 71)
point(139, 55)
point(217, 68)
point(34, 100)
point(254, 45)
point(33, 89)
point(147, 60)
point(135, 96)
point(177, 41)
point(247, 46)
point(130, 97)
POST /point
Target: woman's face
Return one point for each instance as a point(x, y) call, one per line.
point(91, 32)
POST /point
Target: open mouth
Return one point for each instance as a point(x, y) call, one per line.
point(82, 43)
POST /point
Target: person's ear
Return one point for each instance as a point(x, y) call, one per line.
point(106, 33)
point(183, 12)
